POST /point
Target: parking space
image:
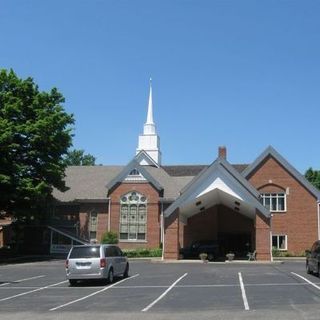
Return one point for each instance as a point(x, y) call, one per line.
point(161, 288)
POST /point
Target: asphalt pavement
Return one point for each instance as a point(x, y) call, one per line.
point(163, 291)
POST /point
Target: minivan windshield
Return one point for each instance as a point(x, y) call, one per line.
point(85, 252)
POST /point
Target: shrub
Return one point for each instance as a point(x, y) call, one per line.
point(110, 237)
point(279, 253)
point(143, 253)
point(276, 252)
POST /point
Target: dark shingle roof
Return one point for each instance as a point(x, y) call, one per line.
point(89, 182)
point(193, 170)
point(184, 170)
point(240, 167)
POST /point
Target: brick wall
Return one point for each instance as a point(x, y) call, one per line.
point(171, 236)
point(222, 224)
point(300, 220)
point(202, 226)
point(153, 213)
point(102, 215)
point(262, 237)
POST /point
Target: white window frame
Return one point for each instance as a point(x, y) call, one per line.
point(270, 195)
point(278, 238)
point(135, 175)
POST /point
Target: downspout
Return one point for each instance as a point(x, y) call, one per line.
point(109, 213)
point(271, 255)
point(162, 230)
point(50, 241)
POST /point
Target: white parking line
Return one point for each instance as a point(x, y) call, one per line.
point(35, 290)
point(21, 280)
point(186, 286)
point(306, 280)
point(243, 292)
point(92, 294)
point(159, 298)
point(291, 284)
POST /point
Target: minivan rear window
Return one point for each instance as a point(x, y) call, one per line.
point(85, 252)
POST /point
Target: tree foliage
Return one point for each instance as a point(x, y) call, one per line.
point(35, 134)
point(313, 176)
point(79, 158)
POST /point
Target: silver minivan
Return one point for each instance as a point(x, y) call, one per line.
point(104, 261)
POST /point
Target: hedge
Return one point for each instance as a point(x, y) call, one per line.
point(143, 253)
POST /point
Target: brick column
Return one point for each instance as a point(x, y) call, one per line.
point(171, 236)
point(263, 228)
point(84, 223)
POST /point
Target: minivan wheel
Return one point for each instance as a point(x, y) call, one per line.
point(110, 276)
point(308, 269)
point(126, 271)
point(72, 282)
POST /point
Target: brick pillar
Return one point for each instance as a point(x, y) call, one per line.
point(263, 228)
point(84, 224)
point(171, 236)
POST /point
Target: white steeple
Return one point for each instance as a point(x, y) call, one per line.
point(149, 127)
point(149, 141)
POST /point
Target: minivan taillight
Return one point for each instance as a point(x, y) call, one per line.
point(67, 264)
point(103, 263)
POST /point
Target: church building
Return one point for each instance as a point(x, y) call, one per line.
point(260, 206)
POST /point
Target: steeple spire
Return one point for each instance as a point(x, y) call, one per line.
point(149, 141)
point(149, 127)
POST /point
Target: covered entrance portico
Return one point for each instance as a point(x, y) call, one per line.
point(221, 206)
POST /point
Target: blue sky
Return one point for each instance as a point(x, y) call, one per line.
point(244, 74)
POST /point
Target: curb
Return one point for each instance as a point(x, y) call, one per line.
point(219, 262)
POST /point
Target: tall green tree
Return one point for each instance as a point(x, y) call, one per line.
point(35, 134)
point(79, 158)
point(313, 176)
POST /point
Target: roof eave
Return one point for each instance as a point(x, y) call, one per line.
point(270, 151)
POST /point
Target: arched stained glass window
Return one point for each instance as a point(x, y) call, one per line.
point(133, 216)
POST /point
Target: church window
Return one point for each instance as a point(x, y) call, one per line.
point(93, 221)
point(275, 202)
point(135, 175)
point(279, 242)
point(133, 217)
point(134, 172)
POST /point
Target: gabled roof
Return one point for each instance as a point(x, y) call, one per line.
point(270, 151)
point(133, 164)
point(233, 170)
point(219, 164)
point(144, 159)
point(88, 183)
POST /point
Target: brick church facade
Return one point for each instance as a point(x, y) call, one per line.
point(250, 207)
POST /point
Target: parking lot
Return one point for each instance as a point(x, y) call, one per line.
point(178, 290)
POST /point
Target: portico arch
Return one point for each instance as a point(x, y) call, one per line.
point(220, 205)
